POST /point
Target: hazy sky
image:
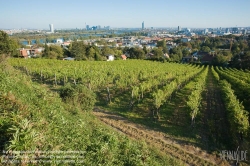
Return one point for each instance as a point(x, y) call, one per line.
point(123, 13)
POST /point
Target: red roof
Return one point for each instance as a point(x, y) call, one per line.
point(124, 57)
point(24, 53)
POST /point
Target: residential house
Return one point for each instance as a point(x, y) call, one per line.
point(205, 57)
point(67, 43)
point(189, 58)
point(24, 53)
point(128, 40)
point(69, 59)
point(200, 54)
point(59, 41)
point(32, 52)
point(185, 40)
point(124, 57)
point(171, 45)
point(168, 39)
point(110, 57)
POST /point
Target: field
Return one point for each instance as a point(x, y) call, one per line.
point(146, 113)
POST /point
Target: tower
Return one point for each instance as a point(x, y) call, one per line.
point(179, 28)
point(142, 25)
point(51, 26)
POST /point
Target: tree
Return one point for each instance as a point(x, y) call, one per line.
point(195, 44)
point(93, 53)
point(65, 38)
point(78, 50)
point(52, 55)
point(66, 53)
point(49, 40)
point(125, 50)
point(131, 52)
point(106, 50)
point(14, 48)
point(162, 44)
point(176, 54)
point(7, 46)
point(235, 49)
point(139, 53)
point(206, 43)
point(90, 53)
point(97, 56)
point(187, 44)
point(220, 59)
point(243, 46)
point(46, 50)
point(117, 53)
point(53, 52)
point(102, 42)
point(38, 42)
point(58, 50)
point(145, 49)
point(174, 57)
point(185, 52)
point(245, 60)
point(205, 49)
point(136, 53)
point(157, 53)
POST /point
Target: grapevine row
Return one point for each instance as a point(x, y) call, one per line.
point(242, 89)
point(236, 114)
point(194, 99)
point(162, 95)
point(97, 74)
point(148, 86)
point(238, 74)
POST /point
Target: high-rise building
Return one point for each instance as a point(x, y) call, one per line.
point(87, 27)
point(235, 30)
point(179, 28)
point(51, 27)
point(205, 31)
point(244, 31)
point(142, 25)
point(107, 27)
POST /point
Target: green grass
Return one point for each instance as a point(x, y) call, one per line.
point(34, 118)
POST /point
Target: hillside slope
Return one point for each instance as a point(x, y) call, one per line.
point(36, 124)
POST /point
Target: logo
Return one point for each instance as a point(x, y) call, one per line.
point(234, 155)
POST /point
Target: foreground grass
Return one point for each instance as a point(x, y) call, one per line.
point(35, 119)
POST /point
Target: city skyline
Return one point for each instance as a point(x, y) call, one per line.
point(64, 14)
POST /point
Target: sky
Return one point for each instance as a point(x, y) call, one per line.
point(38, 14)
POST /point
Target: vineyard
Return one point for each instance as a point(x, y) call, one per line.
point(188, 113)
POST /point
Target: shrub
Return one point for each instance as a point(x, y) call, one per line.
point(78, 95)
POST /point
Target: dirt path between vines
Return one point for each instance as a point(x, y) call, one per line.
point(215, 130)
point(187, 153)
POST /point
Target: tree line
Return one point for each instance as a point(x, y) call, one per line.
point(234, 50)
point(82, 51)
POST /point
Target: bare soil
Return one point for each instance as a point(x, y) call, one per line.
point(189, 154)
